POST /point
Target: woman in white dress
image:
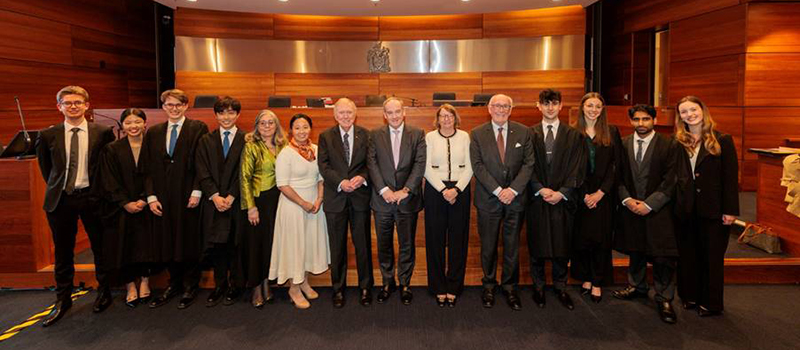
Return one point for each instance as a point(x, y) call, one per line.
point(300, 244)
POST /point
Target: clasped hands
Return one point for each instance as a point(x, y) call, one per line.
point(591, 200)
point(222, 203)
point(352, 184)
point(550, 196)
point(450, 195)
point(312, 208)
point(135, 207)
point(637, 207)
point(395, 196)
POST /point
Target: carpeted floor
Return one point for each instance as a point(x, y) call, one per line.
point(757, 317)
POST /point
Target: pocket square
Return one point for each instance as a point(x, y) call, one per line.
point(517, 145)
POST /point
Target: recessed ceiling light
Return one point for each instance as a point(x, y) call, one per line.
point(375, 0)
point(191, 0)
point(465, 0)
point(283, 0)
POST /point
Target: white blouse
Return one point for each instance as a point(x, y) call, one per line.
point(448, 159)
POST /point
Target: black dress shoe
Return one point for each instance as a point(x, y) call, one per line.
point(666, 312)
point(58, 312)
point(338, 300)
point(487, 298)
point(512, 298)
point(538, 298)
point(628, 293)
point(565, 299)
point(702, 311)
point(103, 301)
point(385, 293)
point(216, 296)
point(586, 291)
point(165, 297)
point(689, 305)
point(452, 302)
point(405, 295)
point(232, 296)
point(366, 297)
point(132, 303)
point(187, 298)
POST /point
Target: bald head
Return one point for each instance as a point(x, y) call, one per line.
point(500, 108)
point(344, 111)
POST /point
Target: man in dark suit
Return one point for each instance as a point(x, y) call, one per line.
point(502, 161)
point(343, 164)
point(69, 158)
point(218, 172)
point(646, 225)
point(173, 194)
point(396, 162)
point(556, 177)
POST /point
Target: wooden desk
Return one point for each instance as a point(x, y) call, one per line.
point(771, 209)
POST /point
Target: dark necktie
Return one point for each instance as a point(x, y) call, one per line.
point(72, 168)
point(501, 145)
point(173, 139)
point(549, 144)
point(639, 152)
point(346, 143)
point(226, 144)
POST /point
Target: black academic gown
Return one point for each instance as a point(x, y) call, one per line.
point(550, 227)
point(127, 238)
point(219, 174)
point(172, 180)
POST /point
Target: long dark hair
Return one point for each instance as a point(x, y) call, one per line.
point(602, 133)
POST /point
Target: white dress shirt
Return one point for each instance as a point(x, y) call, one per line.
point(555, 125)
point(448, 159)
point(82, 180)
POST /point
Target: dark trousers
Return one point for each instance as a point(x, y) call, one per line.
point(490, 226)
point(223, 259)
point(406, 231)
point(131, 272)
point(184, 274)
point(702, 245)
point(63, 223)
point(362, 242)
point(446, 236)
point(663, 275)
point(593, 265)
point(559, 269)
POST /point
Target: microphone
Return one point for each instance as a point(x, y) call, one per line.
point(115, 120)
point(22, 120)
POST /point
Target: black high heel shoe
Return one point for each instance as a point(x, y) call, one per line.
point(586, 291)
point(441, 301)
point(452, 302)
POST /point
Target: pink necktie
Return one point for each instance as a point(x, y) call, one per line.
point(396, 146)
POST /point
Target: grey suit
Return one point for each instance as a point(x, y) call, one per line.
point(491, 173)
point(408, 174)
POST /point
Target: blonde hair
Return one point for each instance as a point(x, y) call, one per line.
point(72, 90)
point(707, 135)
point(602, 133)
point(447, 107)
point(278, 139)
point(176, 94)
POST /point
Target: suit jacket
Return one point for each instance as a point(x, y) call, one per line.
point(53, 159)
point(409, 172)
point(715, 188)
point(491, 173)
point(655, 233)
point(334, 168)
point(218, 174)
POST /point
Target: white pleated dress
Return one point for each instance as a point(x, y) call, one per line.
point(300, 243)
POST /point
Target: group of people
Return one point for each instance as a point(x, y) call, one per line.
point(269, 205)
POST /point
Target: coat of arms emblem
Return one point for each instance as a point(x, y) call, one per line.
point(378, 58)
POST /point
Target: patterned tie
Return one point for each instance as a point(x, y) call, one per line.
point(72, 168)
point(549, 143)
point(226, 144)
point(346, 142)
point(173, 139)
point(639, 154)
point(501, 145)
point(396, 147)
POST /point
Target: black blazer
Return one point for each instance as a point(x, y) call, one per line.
point(409, 172)
point(491, 173)
point(53, 159)
point(333, 167)
point(714, 191)
point(218, 174)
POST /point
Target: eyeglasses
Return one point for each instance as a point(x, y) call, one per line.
point(70, 104)
point(500, 107)
point(174, 105)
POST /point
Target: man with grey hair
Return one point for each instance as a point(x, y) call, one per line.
point(502, 161)
point(343, 165)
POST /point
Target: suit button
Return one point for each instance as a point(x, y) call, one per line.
point(171, 161)
point(696, 174)
point(698, 190)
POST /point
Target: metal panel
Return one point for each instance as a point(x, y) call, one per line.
point(420, 56)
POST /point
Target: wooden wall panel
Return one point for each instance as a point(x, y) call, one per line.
point(730, 120)
point(717, 80)
point(431, 27)
point(773, 27)
point(421, 86)
point(772, 80)
point(33, 39)
point(694, 38)
point(300, 27)
point(644, 14)
point(252, 89)
point(101, 15)
point(524, 87)
point(563, 20)
point(96, 49)
point(299, 86)
point(768, 127)
point(222, 24)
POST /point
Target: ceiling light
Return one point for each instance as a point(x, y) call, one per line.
point(283, 0)
point(375, 0)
